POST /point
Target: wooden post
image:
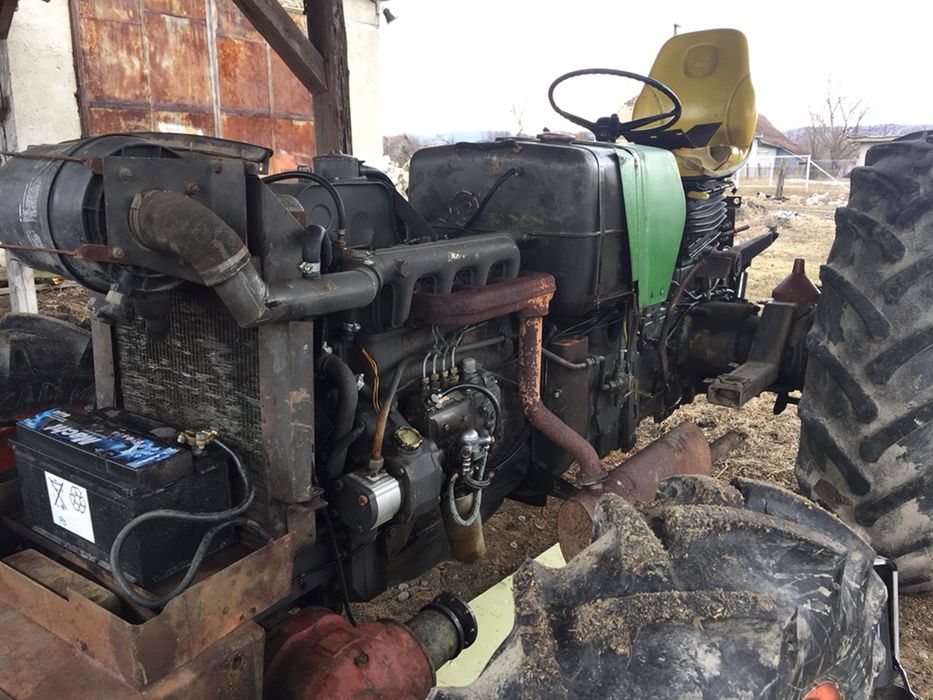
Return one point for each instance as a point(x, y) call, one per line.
point(22, 287)
point(782, 173)
point(19, 277)
point(7, 8)
point(326, 27)
point(319, 61)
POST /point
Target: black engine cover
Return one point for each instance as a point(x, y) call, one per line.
point(566, 201)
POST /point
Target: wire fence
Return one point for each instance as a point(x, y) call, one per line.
point(799, 171)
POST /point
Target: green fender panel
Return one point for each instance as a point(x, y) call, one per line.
point(655, 211)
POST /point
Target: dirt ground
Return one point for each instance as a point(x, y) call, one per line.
point(518, 531)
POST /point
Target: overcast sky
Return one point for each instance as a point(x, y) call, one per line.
point(476, 64)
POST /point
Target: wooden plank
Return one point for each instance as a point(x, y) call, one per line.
point(104, 378)
point(67, 284)
point(276, 26)
point(328, 33)
point(22, 287)
point(7, 8)
point(21, 282)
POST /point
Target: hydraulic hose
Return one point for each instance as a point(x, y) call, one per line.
point(337, 371)
point(344, 380)
point(375, 456)
point(337, 457)
point(323, 182)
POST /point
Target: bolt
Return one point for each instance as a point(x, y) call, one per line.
point(125, 174)
point(557, 394)
point(368, 262)
point(218, 167)
point(363, 500)
point(192, 188)
point(362, 659)
point(309, 269)
point(118, 253)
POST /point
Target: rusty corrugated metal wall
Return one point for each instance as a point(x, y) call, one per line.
point(188, 65)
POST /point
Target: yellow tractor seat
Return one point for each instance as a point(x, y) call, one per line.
point(709, 73)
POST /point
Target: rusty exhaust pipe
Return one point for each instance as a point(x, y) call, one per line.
point(682, 450)
point(529, 383)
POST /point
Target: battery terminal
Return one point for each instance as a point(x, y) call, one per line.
point(198, 439)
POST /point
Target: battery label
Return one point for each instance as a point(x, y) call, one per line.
point(129, 449)
point(70, 506)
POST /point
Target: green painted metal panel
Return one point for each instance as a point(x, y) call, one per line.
point(655, 211)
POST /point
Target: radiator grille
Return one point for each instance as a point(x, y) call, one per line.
point(205, 373)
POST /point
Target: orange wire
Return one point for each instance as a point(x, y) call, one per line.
point(375, 368)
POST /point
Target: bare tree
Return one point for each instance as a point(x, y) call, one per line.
point(518, 112)
point(832, 128)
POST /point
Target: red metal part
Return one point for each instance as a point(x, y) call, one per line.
point(318, 654)
point(796, 288)
point(722, 447)
point(7, 461)
point(682, 450)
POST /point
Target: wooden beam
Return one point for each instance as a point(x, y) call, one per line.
point(19, 277)
point(277, 27)
point(7, 8)
point(326, 27)
point(22, 287)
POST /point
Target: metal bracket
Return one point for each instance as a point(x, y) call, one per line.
point(890, 632)
point(761, 369)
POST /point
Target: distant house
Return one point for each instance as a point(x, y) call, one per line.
point(769, 147)
point(770, 142)
point(866, 142)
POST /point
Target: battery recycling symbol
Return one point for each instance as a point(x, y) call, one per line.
point(77, 499)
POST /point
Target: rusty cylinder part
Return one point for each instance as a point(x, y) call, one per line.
point(445, 627)
point(467, 542)
point(683, 450)
point(319, 654)
point(529, 383)
point(724, 446)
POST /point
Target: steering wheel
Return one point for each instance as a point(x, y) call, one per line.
point(610, 128)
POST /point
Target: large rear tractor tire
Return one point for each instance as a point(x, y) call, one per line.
point(866, 444)
point(714, 591)
point(43, 362)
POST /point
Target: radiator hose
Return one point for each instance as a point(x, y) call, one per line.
point(342, 377)
point(172, 222)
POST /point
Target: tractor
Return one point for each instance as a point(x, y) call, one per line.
point(308, 387)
